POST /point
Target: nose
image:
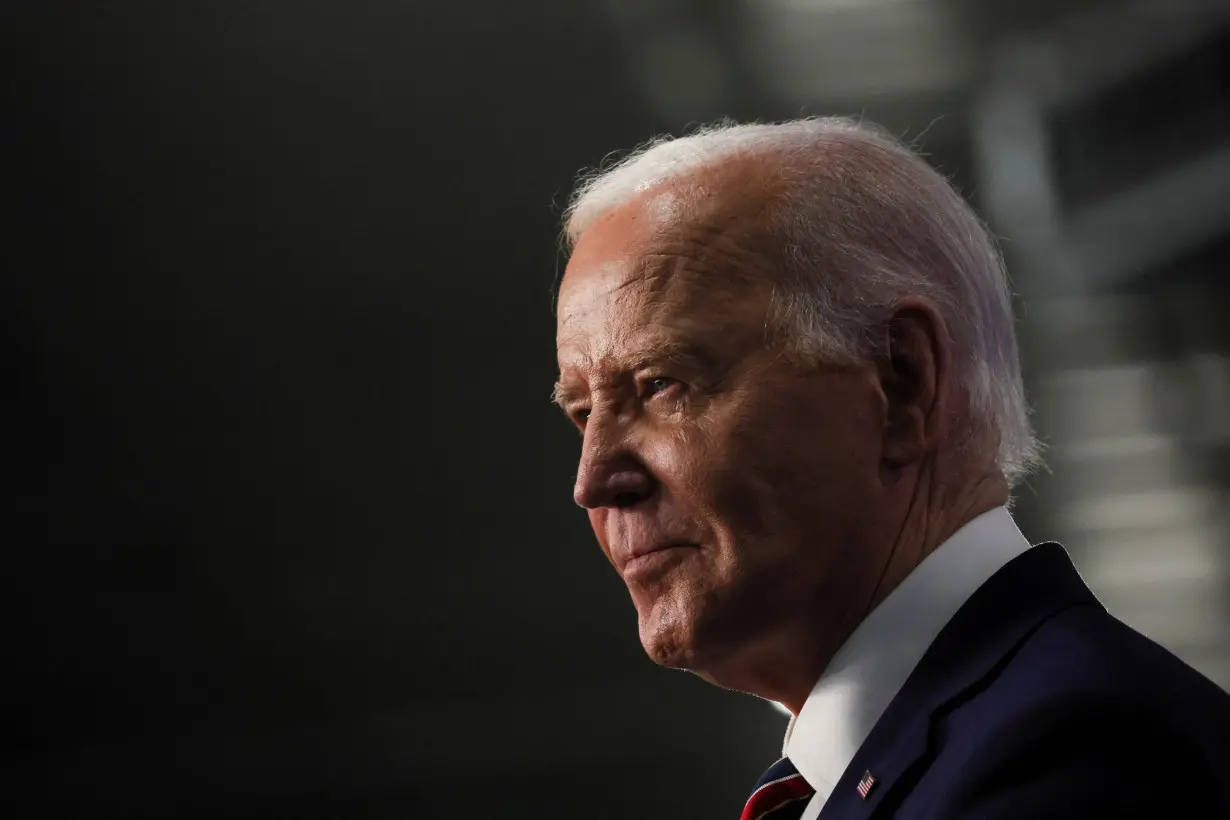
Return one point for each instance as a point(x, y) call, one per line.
point(609, 473)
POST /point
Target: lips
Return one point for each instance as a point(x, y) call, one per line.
point(642, 563)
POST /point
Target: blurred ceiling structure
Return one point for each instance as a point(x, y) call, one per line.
point(1103, 144)
point(908, 64)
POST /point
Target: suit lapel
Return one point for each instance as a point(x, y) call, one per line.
point(982, 636)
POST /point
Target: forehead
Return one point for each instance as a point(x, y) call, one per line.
point(659, 270)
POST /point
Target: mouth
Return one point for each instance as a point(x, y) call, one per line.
point(652, 563)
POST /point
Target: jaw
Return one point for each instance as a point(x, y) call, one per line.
point(777, 667)
point(677, 632)
point(778, 659)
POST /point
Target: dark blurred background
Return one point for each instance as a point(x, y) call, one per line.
point(288, 505)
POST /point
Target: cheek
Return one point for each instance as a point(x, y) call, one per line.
point(796, 465)
point(718, 469)
point(748, 487)
point(676, 456)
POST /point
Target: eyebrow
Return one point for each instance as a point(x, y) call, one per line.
point(563, 395)
point(677, 351)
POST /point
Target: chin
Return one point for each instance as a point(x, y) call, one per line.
point(669, 639)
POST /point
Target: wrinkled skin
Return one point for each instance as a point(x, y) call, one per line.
point(756, 507)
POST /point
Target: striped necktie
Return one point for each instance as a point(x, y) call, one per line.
point(780, 794)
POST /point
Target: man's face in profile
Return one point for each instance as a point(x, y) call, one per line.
point(728, 485)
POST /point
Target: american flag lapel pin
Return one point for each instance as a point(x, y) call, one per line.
point(865, 784)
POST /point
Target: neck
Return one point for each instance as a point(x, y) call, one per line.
point(934, 510)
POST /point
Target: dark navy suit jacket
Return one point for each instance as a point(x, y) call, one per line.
point(1034, 702)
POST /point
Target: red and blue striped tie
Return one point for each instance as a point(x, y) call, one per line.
point(780, 794)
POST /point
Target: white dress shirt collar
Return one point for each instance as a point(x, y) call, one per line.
point(874, 662)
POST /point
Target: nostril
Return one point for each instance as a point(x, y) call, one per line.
point(620, 488)
point(627, 499)
point(628, 487)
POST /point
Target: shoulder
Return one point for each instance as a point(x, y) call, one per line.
point(1086, 718)
point(1085, 652)
point(1080, 755)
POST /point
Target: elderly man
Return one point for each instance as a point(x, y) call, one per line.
point(790, 353)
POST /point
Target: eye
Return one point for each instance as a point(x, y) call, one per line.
point(579, 416)
point(657, 384)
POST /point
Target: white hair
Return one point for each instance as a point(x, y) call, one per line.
point(861, 222)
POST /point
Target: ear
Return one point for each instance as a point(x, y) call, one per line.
point(914, 370)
